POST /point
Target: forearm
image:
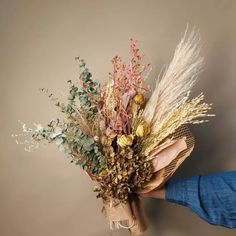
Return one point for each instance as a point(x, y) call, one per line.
point(211, 197)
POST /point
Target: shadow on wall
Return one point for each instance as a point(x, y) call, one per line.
point(215, 143)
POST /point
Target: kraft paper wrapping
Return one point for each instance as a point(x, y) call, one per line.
point(131, 215)
point(161, 176)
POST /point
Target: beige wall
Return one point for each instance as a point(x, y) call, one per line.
point(41, 193)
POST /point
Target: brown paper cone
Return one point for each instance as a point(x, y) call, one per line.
point(128, 215)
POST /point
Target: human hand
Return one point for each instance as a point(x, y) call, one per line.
point(159, 194)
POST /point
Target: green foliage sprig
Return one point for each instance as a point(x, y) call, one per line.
point(74, 138)
point(90, 92)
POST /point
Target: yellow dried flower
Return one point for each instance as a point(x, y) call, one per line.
point(142, 130)
point(125, 140)
point(139, 98)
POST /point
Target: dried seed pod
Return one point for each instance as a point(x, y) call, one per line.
point(103, 140)
point(126, 171)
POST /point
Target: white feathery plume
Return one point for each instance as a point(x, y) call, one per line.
point(177, 79)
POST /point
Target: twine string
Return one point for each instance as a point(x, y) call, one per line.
point(118, 225)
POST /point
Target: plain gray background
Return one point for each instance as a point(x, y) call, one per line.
point(41, 193)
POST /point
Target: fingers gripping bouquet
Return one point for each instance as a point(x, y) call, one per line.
point(127, 143)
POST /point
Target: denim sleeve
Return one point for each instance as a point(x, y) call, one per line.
point(211, 197)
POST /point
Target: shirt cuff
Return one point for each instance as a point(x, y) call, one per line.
point(182, 191)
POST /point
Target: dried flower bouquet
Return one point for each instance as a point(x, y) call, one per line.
point(126, 142)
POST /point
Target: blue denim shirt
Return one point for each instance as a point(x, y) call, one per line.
point(211, 197)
